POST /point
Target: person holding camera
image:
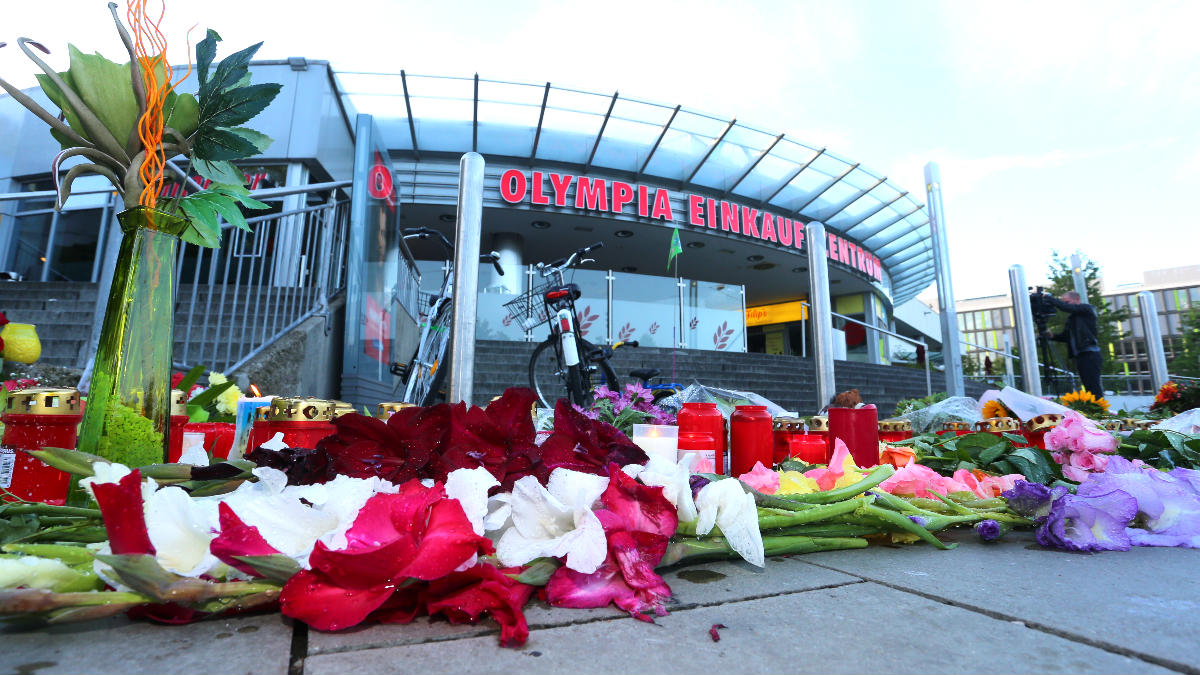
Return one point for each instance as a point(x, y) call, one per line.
point(1082, 338)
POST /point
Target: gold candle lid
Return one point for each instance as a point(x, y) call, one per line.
point(178, 402)
point(787, 424)
point(1111, 425)
point(1044, 422)
point(956, 426)
point(998, 424)
point(818, 423)
point(342, 408)
point(894, 426)
point(299, 409)
point(43, 401)
point(388, 408)
point(1144, 424)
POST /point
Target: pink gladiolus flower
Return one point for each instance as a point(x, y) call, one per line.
point(638, 523)
point(828, 478)
point(238, 538)
point(762, 479)
point(915, 480)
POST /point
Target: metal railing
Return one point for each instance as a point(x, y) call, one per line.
point(234, 301)
point(923, 348)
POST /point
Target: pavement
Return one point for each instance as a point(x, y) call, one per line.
point(1010, 606)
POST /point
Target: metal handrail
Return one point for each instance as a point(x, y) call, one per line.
point(264, 193)
point(919, 343)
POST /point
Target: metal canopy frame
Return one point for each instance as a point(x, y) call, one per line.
point(632, 154)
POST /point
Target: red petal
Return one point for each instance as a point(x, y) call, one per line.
point(124, 517)
point(449, 540)
point(238, 538)
point(312, 598)
point(636, 553)
point(463, 597)
point(512, 411)
point(568, 588)
point(643, 508)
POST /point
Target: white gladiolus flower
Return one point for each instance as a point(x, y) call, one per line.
point(675, 480)
point(555, 521)
point(724, 503)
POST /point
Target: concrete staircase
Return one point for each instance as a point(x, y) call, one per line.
point(787, 380)
point(62, 311)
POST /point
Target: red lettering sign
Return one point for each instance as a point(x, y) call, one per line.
point(769, 227)
point(622, 195)
point(513, 186)
point(662, 206)
point(729, 217)
point(694, 202)
point(590, 194)
point(785, 231)
point(560, 184)
point(537, 196)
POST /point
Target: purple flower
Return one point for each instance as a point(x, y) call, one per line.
point(603, 392)
point(1089, 523)
point(660, 416)
point(920, 520)
point(590, 413)
point(1189, 477)
point(1168, 508)
point(1032, 500)
point(989, 530)
point(696, 483)
point(636, 391)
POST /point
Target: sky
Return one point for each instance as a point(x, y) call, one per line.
point(1057, 125)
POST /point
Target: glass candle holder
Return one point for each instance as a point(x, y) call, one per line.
point(657, 439)
point(858, 428)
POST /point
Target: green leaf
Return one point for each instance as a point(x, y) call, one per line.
point(240, 193)
point(276, 567)
point(1015, 439)
point(71, 461)
point(219, 171)
point(258, 139)
point(224, 206)
point(990, 454)
point(105, 88)
point(143, 574)
point(16, 528)
point(189, 380)
point(193, 235)
point(538, 572)
point(182, 113)
point(214, 143)
point(204, 225)
point(210, 395)
point(1003, 467)
point(56, 96)
point(1031, 463)
point(231, 70)
point(196, 413)
point(206, 51)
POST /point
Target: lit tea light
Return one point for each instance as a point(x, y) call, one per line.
point(657, 439)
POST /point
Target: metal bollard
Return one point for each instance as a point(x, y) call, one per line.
point(951, 350)
point(466, 277)
point(1148, 307)
point(822, 313)
point(1026, 339)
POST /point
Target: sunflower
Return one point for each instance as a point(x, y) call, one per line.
point(1085, 402)
point(995, 408)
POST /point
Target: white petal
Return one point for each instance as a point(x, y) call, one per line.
point(275, 443)
point(33, 572)
point(675, 479)
point(194, 455)
point(585, 547)
point(470, 487)
point(287, 524)
point(536, 512)
point(181, 529)
point(575, 489)
point(103, 474)
point(499, 516)
point(725, 504)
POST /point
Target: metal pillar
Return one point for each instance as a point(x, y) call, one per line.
point(951, 351)
point(1078, 278)
point(822, 313)
point(1023, 326)
point(466, 276)
point(1148, 307)
point(1009, 380)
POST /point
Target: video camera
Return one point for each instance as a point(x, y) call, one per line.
point(1040, 306)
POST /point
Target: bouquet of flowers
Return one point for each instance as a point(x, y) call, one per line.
point(1176, 397)
point(1085, 402)
point(622, 410)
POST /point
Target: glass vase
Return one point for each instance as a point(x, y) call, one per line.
point(126, 418)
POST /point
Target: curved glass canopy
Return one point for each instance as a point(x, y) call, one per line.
point(435, 114)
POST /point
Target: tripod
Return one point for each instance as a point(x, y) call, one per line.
point(1050, 376)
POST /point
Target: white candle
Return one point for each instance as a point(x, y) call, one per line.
point(657, 439)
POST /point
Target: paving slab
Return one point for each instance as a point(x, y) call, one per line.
point(1145, 601)
point(247, 644)
point(693, 585)
point(861, 628)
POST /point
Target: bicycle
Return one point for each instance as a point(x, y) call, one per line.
point(424, 374)
point(564, 360)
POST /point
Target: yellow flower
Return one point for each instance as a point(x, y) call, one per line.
point(226, 400)
point(994, 408)
point(851, 474)
point(1083, 396)
point(796, 483)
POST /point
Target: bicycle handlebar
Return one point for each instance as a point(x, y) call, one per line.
point(427, 233)
point(563, 263)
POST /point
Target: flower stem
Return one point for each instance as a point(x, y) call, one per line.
point(770, 522)
point(40, 509)
point(873, 478)
point(716, 548)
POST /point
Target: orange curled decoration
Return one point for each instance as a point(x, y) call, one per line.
point(150, 48)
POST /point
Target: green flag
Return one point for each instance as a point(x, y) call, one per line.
point(676, 249)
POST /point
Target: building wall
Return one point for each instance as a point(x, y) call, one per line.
point(986, 321)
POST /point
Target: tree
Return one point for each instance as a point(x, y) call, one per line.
point(1109, 319)
point(1187, 356)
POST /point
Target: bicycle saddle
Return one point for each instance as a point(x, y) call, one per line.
point(645, 374)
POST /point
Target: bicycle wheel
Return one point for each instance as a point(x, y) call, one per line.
point(553, 381)
point(547, 377)
point(427, 369)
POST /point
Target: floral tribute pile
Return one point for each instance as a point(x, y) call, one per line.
point(459, 513)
